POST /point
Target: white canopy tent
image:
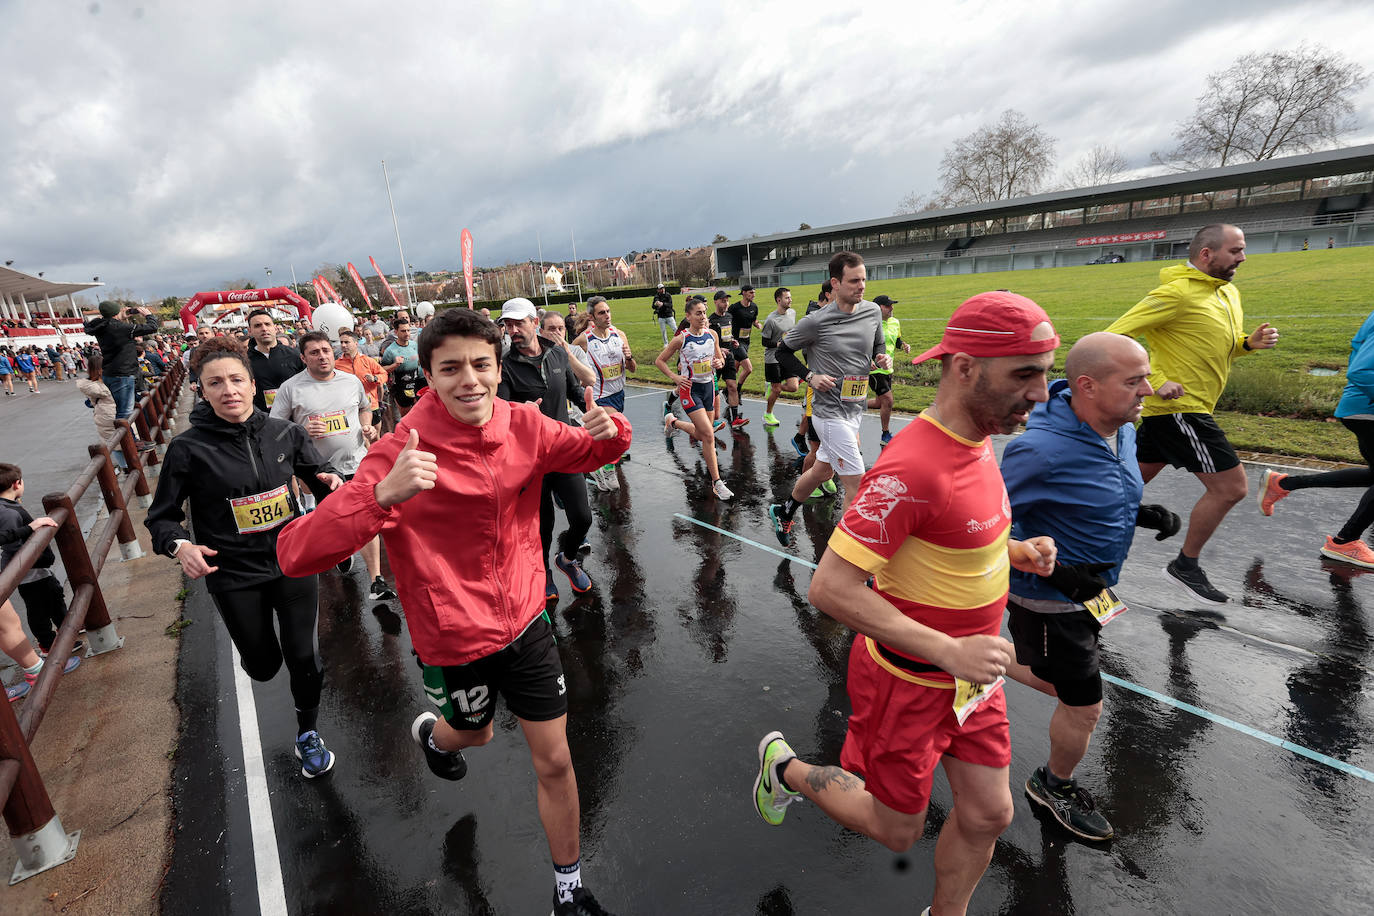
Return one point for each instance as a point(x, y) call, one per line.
point(19, 290)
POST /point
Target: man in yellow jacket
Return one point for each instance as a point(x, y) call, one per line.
point(1193, 326)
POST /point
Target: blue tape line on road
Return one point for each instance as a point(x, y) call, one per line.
point(1340, 765)
point(1267, 738)
point(750, 541)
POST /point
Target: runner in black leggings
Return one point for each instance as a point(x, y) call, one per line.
point(235, 466)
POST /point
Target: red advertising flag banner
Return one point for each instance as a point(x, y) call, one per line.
point(1123, 237)
point(467, 264)
point(358, 282)
point(321, 295)
point(381, 276)
point(329, 288)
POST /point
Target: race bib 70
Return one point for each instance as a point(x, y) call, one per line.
point(335, 423)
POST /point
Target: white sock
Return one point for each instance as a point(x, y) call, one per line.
point(33, 672)
point(566, 879)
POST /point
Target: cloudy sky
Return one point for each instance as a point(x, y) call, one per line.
point(169, 146)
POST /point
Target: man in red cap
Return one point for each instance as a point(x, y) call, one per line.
point(930, 525)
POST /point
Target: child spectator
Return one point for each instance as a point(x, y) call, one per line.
point(42, 593)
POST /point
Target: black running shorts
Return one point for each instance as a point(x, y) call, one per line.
point(880, 383)
point(1061, 649)
point(1192, 441)
point(728, 371)
point(772, 373)
point(528, 673)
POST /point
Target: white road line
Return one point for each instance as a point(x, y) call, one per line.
point(266, 859)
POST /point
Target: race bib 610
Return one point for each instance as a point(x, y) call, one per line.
point(854, 388)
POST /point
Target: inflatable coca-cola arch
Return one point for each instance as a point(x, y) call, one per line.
point(241, 296)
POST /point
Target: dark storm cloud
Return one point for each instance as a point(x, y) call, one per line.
point(169, 147)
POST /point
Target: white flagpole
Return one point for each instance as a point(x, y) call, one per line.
point(545, 284)
point(405, 272)
point(577, 267)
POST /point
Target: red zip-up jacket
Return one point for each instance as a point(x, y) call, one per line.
point(468, 561)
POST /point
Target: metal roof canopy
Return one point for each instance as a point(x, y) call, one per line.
point(1292, 168)
point(16, 283)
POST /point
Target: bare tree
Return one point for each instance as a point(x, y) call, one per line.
point(916, 202)
point(1098, 166)
point(1266, 105)
point(720, 237)
point(998, 161)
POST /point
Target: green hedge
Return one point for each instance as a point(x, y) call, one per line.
point(615, 292)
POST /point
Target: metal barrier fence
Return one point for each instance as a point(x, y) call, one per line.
point(37, 832)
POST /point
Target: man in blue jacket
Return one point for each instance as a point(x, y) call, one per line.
point(1073, 476)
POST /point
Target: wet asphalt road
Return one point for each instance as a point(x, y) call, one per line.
point(694, 643)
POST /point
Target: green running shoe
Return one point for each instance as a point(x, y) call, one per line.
point(829, 486)
point(771, 797)
point(770, 420)
point(816, 493)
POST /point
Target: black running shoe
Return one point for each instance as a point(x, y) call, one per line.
point(1195, 581)
point(782, 526)
point(346, 566)
point(1070, 805)
point(581, 904)
point(444, 764)
point(380, 591)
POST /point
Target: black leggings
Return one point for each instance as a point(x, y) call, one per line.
point(572, 490)
point(1363, 517)
point(247, 614)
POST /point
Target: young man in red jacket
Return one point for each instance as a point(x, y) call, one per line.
point(465, 464)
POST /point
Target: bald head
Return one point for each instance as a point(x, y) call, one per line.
point(1109, 377)
point(1098, 355)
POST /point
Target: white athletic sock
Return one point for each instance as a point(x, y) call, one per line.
point(566, 879)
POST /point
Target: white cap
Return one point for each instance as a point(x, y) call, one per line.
point(518, 309)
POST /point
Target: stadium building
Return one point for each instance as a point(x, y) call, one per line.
point(1320, 200)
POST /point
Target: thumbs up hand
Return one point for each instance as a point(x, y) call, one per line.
point(412, 472)
point(597, 419)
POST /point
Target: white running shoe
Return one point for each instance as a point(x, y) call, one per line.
point(721, 490)
point(612, 478)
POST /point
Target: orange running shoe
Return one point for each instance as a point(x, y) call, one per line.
point(1356, 553)
point(1270, 492)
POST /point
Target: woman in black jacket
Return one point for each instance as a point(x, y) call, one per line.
point(235, 465)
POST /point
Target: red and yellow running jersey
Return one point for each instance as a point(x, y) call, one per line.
point(931, 521)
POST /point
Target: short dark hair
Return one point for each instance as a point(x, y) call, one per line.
point(594, 301)
point(842, 261)
point(397, 322)
point(457, 323)
point(313, 337)
point(256, 312)
point(220, 348)
point(544, 318)
point(348, 332)
point(777, 293)
point(10, 475)
point(827, 288)
point(1211, 236)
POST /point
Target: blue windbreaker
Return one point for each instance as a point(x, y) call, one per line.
point(1065, 482)
point(1358, 396)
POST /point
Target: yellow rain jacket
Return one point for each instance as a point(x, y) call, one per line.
point(1192, 325)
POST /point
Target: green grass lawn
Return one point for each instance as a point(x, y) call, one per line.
point(1317, 300)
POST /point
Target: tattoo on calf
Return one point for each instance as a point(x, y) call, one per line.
point(822, 778)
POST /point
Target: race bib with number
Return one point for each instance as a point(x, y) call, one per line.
point(335, 423)
point(1105, 606)
point(968, 696)
point(612, 371)
point(262, 511)
point(724, 334)
point(701, 367)
point(269, 396)
point(854, 388)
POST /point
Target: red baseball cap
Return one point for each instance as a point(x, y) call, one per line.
point(994, 324)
